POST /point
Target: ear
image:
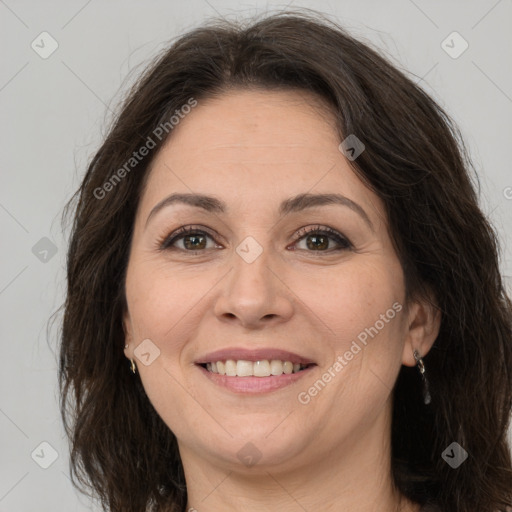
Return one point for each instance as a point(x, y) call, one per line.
point(128, 337)
point(424, 321)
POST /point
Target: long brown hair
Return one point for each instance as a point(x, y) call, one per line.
point(415, 160)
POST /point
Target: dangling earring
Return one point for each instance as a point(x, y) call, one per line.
point(421, 367)
point(132, 364)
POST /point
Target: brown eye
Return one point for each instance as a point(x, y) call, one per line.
point(319, 239)
point(194, 242)
point(191, 239)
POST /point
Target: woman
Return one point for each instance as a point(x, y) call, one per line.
point(282, 294)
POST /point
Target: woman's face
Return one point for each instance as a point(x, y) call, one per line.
point(270, 274)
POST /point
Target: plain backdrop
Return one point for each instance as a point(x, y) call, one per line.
point(54, 112)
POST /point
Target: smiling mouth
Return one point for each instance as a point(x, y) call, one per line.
point(261, 368)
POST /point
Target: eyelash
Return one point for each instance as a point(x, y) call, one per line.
point(165, 244)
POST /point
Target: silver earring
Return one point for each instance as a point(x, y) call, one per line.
point(421, 367)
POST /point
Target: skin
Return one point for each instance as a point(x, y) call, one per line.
point(253, 149)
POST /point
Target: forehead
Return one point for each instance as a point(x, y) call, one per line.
point(244, 117)
point(257, 147)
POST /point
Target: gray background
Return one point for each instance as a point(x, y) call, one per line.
point(54, 113)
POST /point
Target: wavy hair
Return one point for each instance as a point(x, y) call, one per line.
point(415, 161)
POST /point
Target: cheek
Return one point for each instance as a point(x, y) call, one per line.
point(162, 303)
point(163, 308)
point(351, 299)
point(362, 306)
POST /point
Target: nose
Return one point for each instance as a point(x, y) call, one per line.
point(254, 295)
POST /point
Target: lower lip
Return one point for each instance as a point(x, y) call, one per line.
point(255, 385)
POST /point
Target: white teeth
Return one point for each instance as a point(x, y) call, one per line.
point(230, 368)
point(276, 367)
point(244, 368)
point(287, 367)
point(263, 368)
point(221, 368)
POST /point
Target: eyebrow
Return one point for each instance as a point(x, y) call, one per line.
point(294, 204)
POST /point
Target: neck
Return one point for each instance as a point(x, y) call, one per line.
point(353, 476)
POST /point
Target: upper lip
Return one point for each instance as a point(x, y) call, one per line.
point(237, 353)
